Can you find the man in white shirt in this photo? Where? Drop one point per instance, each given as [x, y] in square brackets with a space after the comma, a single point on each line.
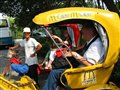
[95, 51]
[31, 47]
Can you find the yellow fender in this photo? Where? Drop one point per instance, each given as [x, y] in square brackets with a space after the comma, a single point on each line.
[25, 83]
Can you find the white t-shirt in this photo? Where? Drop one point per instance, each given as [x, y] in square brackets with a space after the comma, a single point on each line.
[95, 52]
[29, 47]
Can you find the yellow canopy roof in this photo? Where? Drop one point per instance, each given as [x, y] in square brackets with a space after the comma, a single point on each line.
[57, 15]
[109, 20]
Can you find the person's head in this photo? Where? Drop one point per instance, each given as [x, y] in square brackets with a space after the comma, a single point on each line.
[65, 32]
[88, 30]
[12, 53]
[15, 52]
[27, 32]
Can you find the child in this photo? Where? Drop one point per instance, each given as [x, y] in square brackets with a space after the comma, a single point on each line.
[12, 54]
[56, 52]
[16, 64]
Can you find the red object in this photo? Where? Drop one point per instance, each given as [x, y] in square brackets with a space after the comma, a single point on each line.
[15, 60]
[76, 31]
[59, 53]
[41, 69]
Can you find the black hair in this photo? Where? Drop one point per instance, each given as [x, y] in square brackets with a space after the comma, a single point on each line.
[89, 24]
[63, 28]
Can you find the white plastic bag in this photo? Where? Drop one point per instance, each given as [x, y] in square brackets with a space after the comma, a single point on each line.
[10, 53]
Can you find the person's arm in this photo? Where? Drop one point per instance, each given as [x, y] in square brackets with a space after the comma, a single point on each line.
[14, 47]
[58, 38]
[81, 59]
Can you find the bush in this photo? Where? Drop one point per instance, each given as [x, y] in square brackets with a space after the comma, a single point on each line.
[115, 76]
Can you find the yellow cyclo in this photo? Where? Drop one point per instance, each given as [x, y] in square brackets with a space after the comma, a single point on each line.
[96, 76]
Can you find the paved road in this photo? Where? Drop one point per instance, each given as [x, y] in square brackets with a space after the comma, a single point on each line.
[3, 60]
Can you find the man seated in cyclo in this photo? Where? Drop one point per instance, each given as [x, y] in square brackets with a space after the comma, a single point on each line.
[53, 52]
[94, 53]
[16, 63]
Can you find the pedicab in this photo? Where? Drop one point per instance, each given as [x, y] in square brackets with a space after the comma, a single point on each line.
[107, 24]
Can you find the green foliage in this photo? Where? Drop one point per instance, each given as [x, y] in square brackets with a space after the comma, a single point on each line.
[18, 34]
[25, 10]
[115, 76]
[16, 30]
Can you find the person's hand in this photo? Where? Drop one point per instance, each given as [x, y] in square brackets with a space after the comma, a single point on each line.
[66, 42]
[11, 48]
[48, 67]
[54, 36]
[68, 54]
[32, 55]
[57, 38]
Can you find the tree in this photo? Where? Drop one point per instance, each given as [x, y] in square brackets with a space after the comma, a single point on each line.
[111, 6]
[25, 10]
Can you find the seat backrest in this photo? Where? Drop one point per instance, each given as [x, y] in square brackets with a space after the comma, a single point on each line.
[103, 36]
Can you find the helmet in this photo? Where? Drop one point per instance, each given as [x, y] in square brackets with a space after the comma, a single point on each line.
[26, 29]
